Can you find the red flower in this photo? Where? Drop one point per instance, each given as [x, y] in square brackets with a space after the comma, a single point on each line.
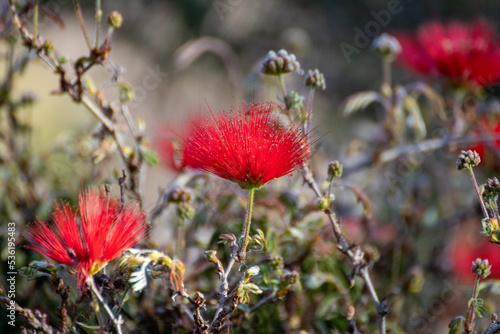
[248, 146]
[463, 53]
[87, 244]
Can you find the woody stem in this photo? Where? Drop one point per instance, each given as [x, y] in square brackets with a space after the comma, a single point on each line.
[246, 227]
[483, 207]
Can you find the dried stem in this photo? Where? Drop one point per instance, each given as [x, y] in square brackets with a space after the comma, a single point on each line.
[98, 15]
[283, 91]
[82, 25]
[392, 154]
[308, 117]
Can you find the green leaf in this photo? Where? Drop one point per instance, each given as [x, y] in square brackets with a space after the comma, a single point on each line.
[253, 288]
[150, 156]
[481, 311]
[456, 326]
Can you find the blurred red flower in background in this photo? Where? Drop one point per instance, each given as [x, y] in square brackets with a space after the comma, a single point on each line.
[247, 146]
[165, 145]
[88, 243]
[466, 247]
[168, 142]
[486, 149]
[464, 53]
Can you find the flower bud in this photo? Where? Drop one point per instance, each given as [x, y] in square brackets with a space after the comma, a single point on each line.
[179, 194]
[334, 170]
[491, 188]
[115, 19]
[282, 62]
[322, 204]
[481, 268]
[387, 46]
[468, 159]
[315, 79]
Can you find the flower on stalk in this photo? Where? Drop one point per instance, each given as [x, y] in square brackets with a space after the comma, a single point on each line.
[87, 243]
[465, 54]
[247, 146]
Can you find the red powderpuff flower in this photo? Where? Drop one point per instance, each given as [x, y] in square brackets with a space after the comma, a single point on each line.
[88, 243]
[247, 146]
[466, 54]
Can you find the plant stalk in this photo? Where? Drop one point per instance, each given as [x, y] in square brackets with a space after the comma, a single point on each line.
[246, 227]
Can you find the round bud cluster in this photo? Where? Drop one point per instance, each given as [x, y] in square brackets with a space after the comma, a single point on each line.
[178, 195]
[278, 63]
[315, 79]
[387, 46]
[468, 159]
[491, 188]
[334, 170]
[481, 268]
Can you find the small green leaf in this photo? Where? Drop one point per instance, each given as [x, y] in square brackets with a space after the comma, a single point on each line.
[456, 326]
[254, 288]
[150, 156]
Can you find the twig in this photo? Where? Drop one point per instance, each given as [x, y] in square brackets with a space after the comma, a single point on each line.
[35, 23]
[98, 15]
[428, 145]
[478, 193]
[82, 25]
[494, 327]
[118, 321]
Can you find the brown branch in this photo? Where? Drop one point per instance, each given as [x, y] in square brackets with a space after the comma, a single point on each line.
[36, 319]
